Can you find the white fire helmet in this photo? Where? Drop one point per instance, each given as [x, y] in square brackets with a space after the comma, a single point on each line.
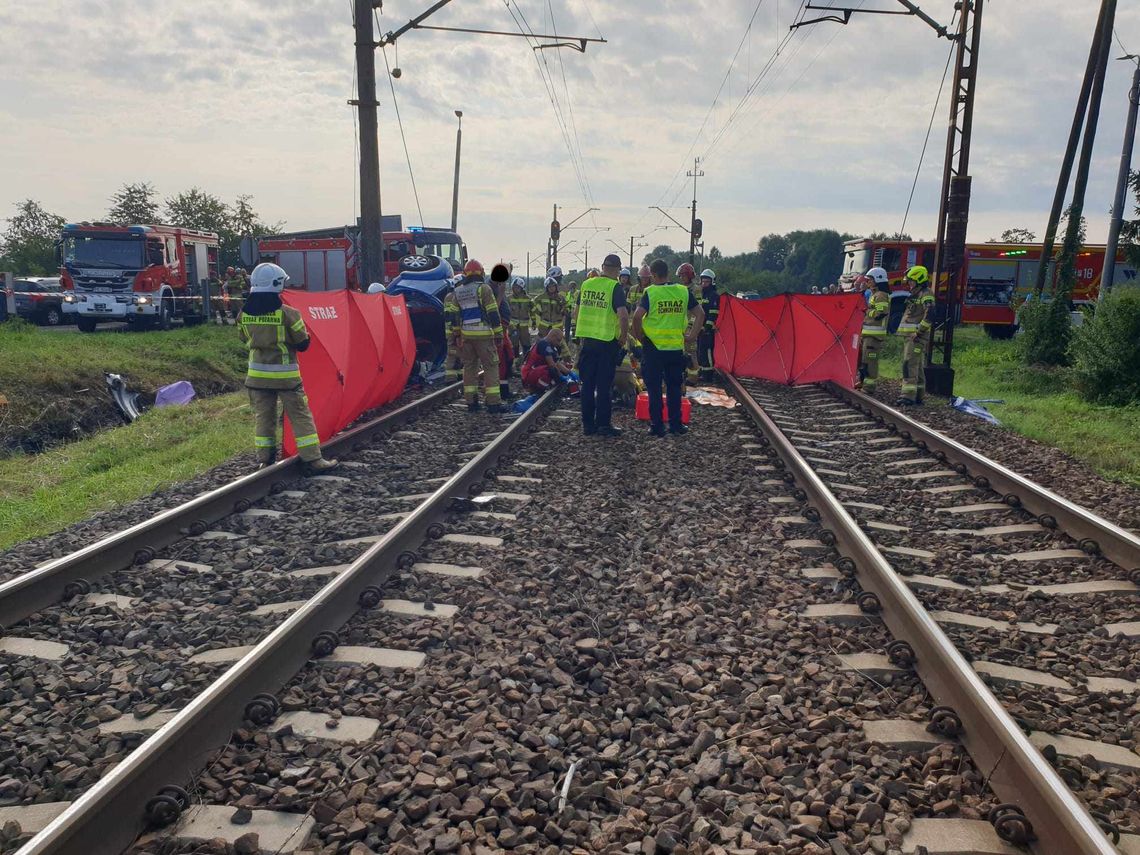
[267, 279]
[878, 275]
[707, 273]
[376, 288]
[554, 273]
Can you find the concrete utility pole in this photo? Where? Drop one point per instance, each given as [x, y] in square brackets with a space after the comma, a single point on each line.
[455, 191]
[371, 264]
[1096, 51]
[1109, 276]
[695, 227]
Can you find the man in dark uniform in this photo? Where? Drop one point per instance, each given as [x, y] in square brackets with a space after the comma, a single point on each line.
[602, 327]
[659, 322]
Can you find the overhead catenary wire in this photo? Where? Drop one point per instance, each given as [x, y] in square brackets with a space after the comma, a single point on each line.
[704, 122]
[551, 91]
[929, 129]
[403, 137]
[781, 44]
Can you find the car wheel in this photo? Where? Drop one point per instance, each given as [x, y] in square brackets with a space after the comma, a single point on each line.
[165, 315]
[86, 324]
[52, 316]
[418, 263]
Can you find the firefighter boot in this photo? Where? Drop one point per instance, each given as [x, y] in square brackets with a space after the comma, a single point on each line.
[505, 392]
[266, 457]
[320, 466]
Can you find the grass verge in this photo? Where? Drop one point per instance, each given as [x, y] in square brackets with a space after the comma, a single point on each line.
[54, 381]
[46, 492]
[1040, 404]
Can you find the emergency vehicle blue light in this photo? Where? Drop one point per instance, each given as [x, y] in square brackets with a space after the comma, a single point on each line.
[70, 227]
[138, 230]
[415, 228]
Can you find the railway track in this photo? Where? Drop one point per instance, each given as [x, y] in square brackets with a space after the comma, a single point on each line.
[1015, 606]
[656, 649]
[89, 677]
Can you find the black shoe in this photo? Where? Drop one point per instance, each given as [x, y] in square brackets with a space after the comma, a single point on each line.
[609, 430]
[679, 430]
[657, 430]
[474, 407]
[589, 431]
[496, 408]
[906, 402]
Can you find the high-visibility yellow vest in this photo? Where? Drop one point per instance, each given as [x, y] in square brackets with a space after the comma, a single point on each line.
[664, 323]
[878, 311]
[596, 316]
[272, 339]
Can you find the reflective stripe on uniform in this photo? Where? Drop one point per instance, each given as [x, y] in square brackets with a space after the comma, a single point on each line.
[874, 332]
[272, 375]
[263, 442]
[906, 329]
[273, 369]
[306, 441]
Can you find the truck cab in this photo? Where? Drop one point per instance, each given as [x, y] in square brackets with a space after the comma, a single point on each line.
[144, 275]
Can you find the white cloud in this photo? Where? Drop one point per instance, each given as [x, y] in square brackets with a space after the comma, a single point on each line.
[249, 96]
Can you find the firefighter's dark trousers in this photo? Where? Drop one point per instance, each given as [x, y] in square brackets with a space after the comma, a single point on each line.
[914, 369]
[296, 404]
[869, 362]
[476, 353]
[705, 344]
[520, 340]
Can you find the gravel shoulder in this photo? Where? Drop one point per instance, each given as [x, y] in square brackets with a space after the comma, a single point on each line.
[1052, 468]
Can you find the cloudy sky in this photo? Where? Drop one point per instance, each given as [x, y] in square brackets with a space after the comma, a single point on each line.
[249, 96]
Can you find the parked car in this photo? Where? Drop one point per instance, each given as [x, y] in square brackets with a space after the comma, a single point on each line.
[40, 300]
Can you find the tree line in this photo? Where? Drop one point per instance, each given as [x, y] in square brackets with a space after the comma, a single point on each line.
[27, 244]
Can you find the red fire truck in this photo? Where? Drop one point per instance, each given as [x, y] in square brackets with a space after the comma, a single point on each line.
[144, 275]
[992, 286]
[326, 259]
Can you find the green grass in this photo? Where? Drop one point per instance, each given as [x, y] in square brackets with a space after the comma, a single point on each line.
[54, 381]
[1040, 404]
[45, 492]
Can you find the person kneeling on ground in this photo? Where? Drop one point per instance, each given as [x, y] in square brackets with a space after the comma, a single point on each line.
[274, 334]
[543, 366]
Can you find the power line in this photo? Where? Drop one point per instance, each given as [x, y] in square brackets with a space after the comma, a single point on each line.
[551, 92]
[708, 113]
[403, 138]
[929, 128]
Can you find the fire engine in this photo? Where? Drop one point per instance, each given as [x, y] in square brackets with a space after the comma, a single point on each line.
[327, 259]
[992, 285]
[144, 275]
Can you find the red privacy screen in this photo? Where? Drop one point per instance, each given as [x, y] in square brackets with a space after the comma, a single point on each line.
[358, 359]
[792, 339]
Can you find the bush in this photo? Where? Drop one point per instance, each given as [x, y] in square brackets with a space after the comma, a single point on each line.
[1106, 350]
[1046, 329]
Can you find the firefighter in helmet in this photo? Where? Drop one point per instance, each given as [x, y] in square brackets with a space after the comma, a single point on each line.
[235, 288]
[687, 275]
[709, 300]
[522, 310]
[274, 334]
[549, 308]
[479, 332]
[453, 364]
[915, 329]
[874, 326]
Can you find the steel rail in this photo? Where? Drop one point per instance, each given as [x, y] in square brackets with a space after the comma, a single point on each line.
[1015, 770]
[1095, 534]
[71, 574]
[107, 818]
